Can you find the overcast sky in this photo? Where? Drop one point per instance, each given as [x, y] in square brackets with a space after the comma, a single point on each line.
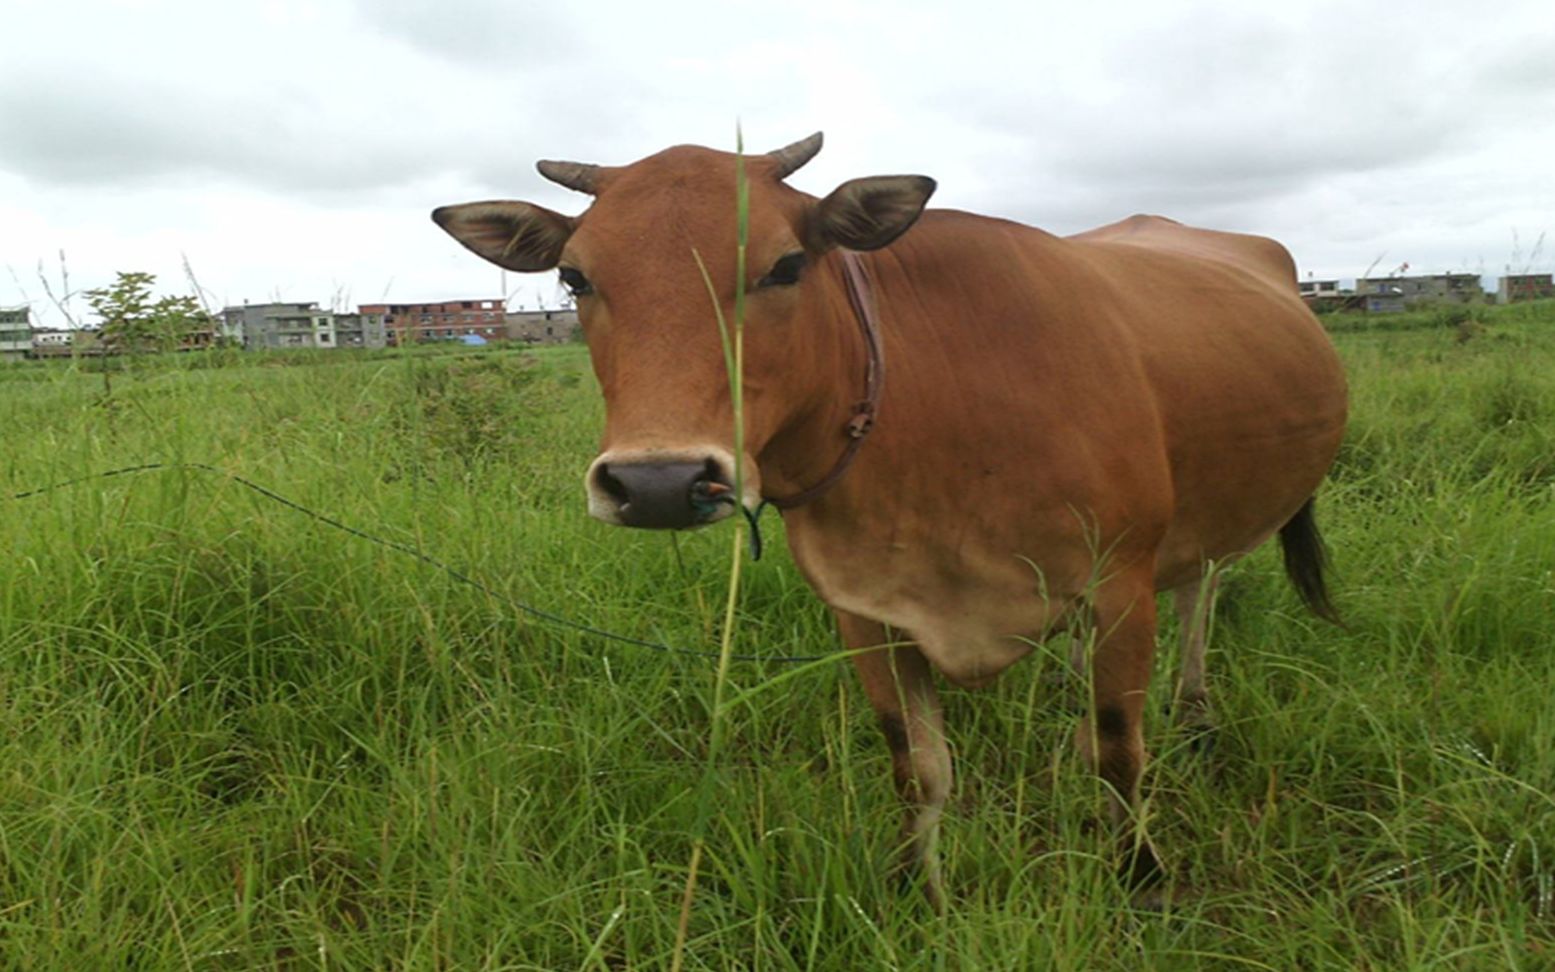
[292, 150]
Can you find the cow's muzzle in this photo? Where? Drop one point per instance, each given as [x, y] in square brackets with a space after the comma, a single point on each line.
[661, 494]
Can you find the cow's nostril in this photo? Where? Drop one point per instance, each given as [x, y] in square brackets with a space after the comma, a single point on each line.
[611, 486]
[712, 489]
[707, 495]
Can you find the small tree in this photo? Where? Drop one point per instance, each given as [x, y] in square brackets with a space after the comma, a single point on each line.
[125, 310]
[132, 322]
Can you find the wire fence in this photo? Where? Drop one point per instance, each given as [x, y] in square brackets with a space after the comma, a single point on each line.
[549, 617]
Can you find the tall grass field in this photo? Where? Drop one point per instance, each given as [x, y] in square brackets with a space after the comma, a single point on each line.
[235, 737]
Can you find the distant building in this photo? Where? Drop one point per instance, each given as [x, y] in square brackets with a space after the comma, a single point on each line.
[1462, 288]
[59, 343]
[299, 325]
[15, 332]
[542, 326]
[1319, 288]
[440, 321]
[1516, 287]
[1378, 302]
[305, 327]
[255, 326]
[1323, 296]
[360, 331]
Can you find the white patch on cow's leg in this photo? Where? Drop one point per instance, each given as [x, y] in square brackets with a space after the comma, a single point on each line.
[900, 687]
[1112, 738]
[1079, 648]
[1195, 604]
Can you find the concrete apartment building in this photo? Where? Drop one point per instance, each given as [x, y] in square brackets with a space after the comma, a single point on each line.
[1319, 288]
[1425, 288]
[19, 339]
[1516, 287]
[542, 326]
[300, 325]
[51, 342]
[360, 331]
[15, 332]
[304, 327]
[255, 325]
[446, 320]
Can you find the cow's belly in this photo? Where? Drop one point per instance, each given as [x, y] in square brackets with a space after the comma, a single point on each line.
[970, 638]
[1252, 414]
[1230, 500]
[973, 610]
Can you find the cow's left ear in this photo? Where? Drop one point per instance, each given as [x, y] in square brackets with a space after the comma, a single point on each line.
[866, 214]
[515, 235]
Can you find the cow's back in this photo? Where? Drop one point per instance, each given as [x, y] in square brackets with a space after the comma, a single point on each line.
[1257, 255]
[1249, 389]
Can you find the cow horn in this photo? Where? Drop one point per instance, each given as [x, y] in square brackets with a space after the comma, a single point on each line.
[791, 157]
[580, 176]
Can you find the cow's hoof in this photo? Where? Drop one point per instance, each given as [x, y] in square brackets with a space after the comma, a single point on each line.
[1197, 724]
[1202, 740]
[1142, 869]
[1150, 887]
[1156, 900]
[910, 879]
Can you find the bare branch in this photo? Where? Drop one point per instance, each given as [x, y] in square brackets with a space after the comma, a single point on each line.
[204, 296]
[61, 300]
[21, 287]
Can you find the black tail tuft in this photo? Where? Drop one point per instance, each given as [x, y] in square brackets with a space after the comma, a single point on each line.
[1305, 558]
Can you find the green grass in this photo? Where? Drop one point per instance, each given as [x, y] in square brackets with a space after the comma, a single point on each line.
[231, 738]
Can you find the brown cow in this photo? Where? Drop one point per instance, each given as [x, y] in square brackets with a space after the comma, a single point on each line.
[1068, 425]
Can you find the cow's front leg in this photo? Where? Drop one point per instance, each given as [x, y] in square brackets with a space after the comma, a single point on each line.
[900, 686]
[1112, 737]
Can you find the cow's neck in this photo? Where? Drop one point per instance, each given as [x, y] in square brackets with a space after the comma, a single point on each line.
[811, 454]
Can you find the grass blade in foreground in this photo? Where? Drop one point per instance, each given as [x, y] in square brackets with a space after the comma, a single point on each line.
[734, 362]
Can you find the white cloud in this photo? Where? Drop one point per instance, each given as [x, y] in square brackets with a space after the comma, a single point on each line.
[296, 147]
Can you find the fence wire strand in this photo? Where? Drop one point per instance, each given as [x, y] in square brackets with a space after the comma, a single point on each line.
[415, 553]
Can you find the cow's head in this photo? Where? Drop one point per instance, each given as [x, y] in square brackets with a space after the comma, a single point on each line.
[631, 262]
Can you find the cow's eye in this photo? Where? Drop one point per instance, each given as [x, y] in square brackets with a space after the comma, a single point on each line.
[783, 272]
[575, 282]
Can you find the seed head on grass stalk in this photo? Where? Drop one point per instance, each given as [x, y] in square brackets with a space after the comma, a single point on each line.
[732, 337]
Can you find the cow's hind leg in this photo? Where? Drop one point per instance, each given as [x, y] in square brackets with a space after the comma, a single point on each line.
[1112, 736]
[900, 686]
[1195, 603]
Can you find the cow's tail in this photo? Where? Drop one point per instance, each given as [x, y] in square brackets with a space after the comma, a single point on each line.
[1305, 560]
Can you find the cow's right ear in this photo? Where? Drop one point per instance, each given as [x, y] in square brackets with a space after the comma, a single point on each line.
[514, 235]
[866, 214]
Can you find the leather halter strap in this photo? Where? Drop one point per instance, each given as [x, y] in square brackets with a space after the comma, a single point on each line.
[861, 295]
